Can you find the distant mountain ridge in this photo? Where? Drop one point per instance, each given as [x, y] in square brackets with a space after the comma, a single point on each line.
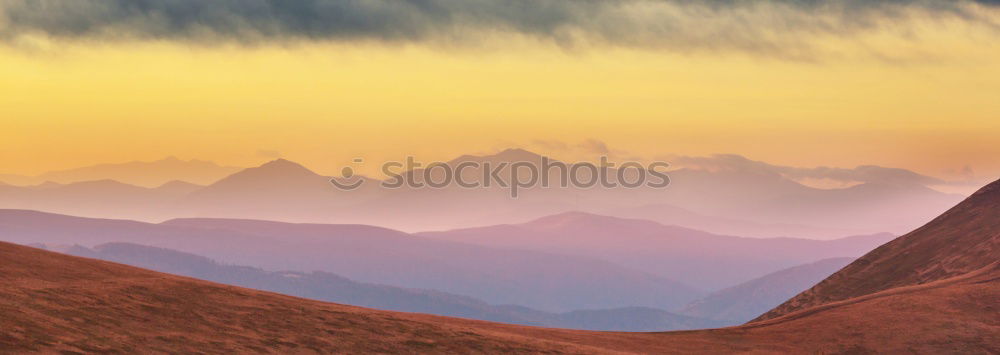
[140, 173]
[706, 260]
[740, 202]
[333, 288]
[545, 281]
[672, 215]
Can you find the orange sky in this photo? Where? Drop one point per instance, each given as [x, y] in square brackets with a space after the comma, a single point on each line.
[928, 104]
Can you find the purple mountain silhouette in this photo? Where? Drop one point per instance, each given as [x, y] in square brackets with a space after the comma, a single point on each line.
[550, 282]
[705, 260]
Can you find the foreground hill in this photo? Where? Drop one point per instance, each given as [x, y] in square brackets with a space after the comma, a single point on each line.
[329, 287]
[964, 239]
[55, 302]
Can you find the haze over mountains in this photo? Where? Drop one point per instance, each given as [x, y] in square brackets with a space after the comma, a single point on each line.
[934, 290]
[140, 173]
[731, 306]
[334, 288]
[553, 264]
[545, 281]
[733, 200]
[673, 215]
[499, 177]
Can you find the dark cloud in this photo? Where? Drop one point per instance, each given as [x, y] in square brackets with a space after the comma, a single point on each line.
[862, 174]
[745, 24]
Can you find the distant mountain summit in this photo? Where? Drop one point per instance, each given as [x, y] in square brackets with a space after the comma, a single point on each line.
[963, 240]
[280, 189]
[281, 167]
[274, 174]
[510, 155]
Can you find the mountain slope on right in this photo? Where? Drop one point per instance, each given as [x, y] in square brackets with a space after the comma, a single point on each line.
[963, 240]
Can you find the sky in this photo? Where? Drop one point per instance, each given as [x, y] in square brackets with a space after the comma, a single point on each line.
[908, 84]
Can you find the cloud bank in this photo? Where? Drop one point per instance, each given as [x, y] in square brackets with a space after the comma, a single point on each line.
[759, 25]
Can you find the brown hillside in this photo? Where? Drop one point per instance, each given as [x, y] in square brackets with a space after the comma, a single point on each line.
[52, 302]
[963, 239]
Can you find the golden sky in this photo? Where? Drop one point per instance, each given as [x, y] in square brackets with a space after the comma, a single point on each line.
[928, 100]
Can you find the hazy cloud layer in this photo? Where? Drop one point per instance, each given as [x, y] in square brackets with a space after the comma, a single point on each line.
[860, 174]
[759, 25]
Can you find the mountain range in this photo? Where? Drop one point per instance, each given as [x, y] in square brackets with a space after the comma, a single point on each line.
[933, 290]
[744, 202]
[731, 306]
[545, 281]
[551, 264]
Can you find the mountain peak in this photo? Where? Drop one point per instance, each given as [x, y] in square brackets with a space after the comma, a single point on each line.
[281, 164]
[280, 174]
[276, 170]
[517, 154]
[280, 161]
[509, 155]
